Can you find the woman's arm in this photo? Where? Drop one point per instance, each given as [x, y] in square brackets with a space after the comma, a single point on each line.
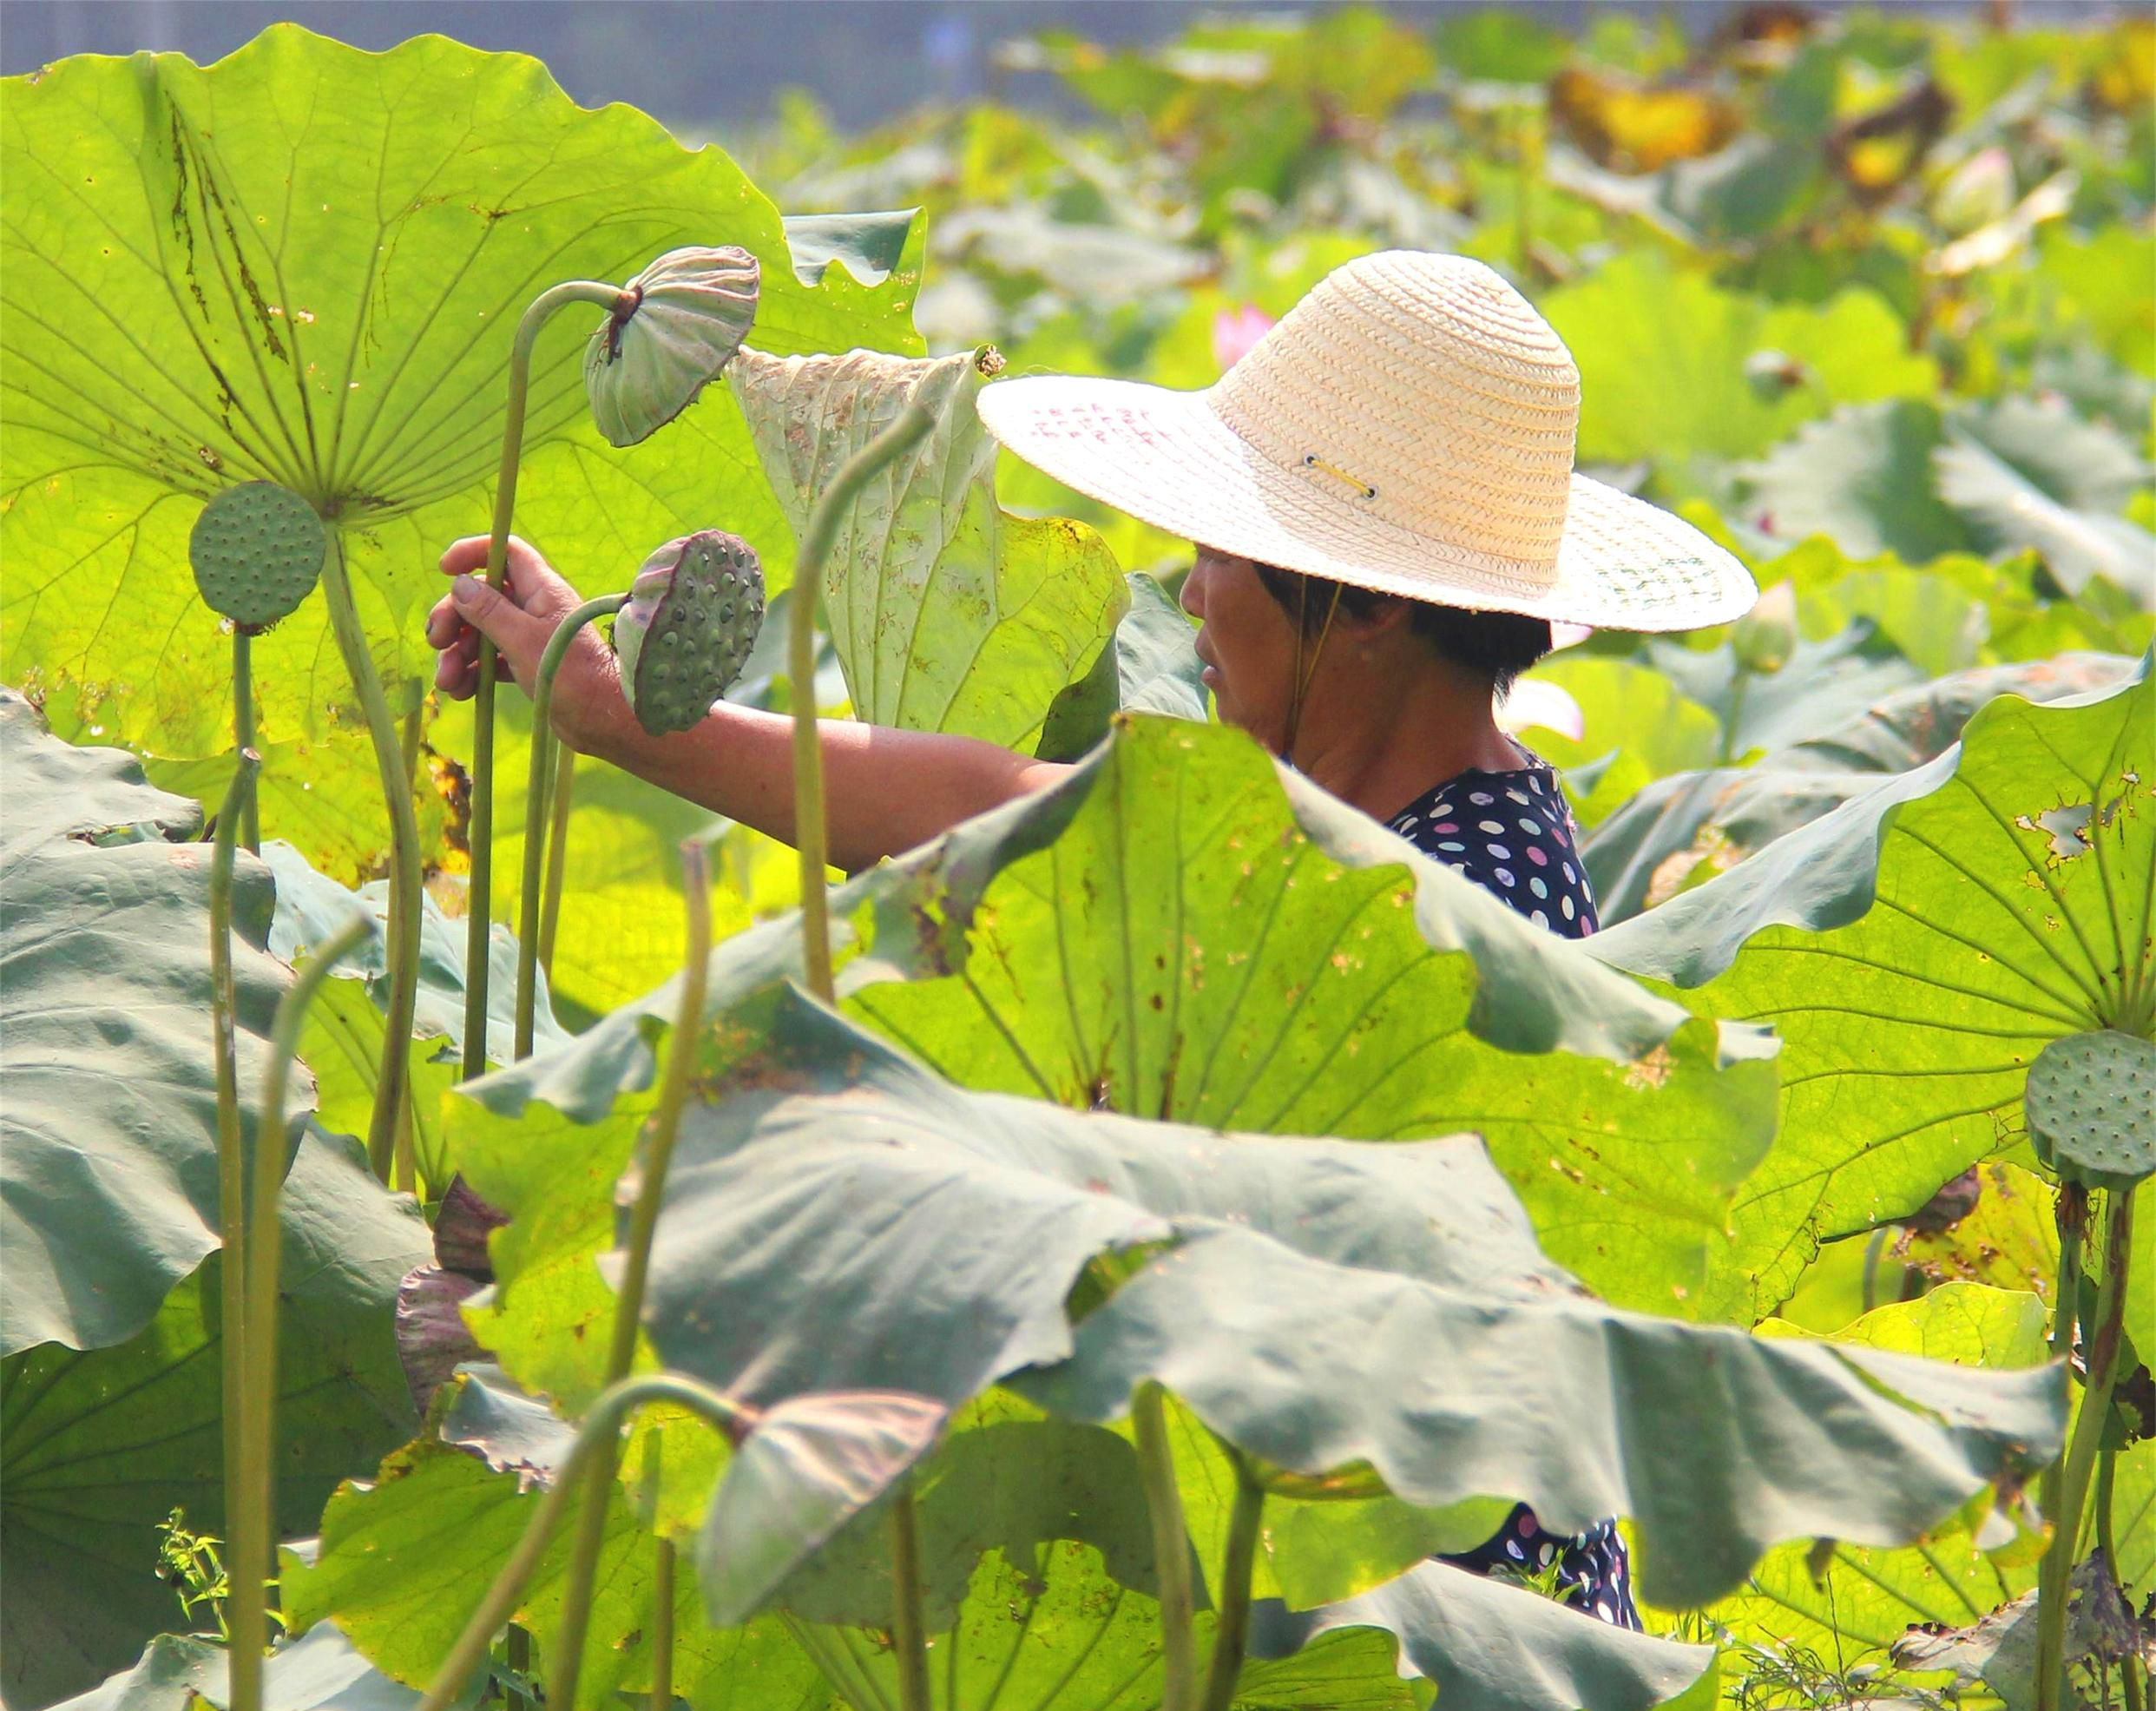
[885, 790]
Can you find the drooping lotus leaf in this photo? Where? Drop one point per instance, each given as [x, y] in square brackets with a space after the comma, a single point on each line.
[257, 552]
[273, 272]
[1862, 477]
[677, 324]
[2091, 1099]
[1819, 686]
[948, 613]
[1682, 830]
[110, 1118]
[320, 1671]
[1247, 953]
[1490, 1647]
[693, 612]
[1917, 949]
[809, 1465]
[101, 1446]
[1151, 667]
[1324, 1305]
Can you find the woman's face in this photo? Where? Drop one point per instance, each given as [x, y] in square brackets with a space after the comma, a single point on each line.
[1247, 642]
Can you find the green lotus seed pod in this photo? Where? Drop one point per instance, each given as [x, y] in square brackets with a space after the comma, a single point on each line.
[257, 551]
[677, 324]
[693, 614]
[2091, 1100]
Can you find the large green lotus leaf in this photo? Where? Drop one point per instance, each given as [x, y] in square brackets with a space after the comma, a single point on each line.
[1915, 948]
[99, 1447]
[111, 1109]
[320, 1671]
[1247, 953]
[1968, 1324]
[1322, 1304]
[276, 270]
[1661, 353]
[948, 613]
[1681, 831]
[1820, 686]
[405, 1559]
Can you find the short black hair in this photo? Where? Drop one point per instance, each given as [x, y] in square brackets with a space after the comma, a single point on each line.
[1496, 645]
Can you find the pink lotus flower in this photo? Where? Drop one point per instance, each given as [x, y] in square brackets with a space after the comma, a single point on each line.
[1234, 331]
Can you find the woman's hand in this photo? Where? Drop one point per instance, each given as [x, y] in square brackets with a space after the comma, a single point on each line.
[518, 620]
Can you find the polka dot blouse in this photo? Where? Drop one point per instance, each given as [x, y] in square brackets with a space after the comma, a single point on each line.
[1512, 835]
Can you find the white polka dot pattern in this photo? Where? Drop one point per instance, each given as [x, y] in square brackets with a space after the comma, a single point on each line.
[1521, 831]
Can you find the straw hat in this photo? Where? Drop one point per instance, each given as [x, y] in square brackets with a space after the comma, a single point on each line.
[1408, 427]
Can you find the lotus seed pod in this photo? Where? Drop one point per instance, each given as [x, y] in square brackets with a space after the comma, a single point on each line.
[257, 551]
[677, 324]
[1767, 635]
[2091, 1100]
[693, 614]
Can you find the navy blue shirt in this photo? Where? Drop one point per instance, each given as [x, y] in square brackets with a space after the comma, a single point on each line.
[1512, 834]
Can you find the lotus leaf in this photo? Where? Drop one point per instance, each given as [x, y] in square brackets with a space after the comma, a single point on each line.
[1916, 948]
[99, 1447]
[319, 1672]
[276, 272]
[111, 1114]
[1022, 606]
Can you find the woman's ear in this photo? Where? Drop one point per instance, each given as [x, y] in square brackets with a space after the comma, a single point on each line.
[1381, 615]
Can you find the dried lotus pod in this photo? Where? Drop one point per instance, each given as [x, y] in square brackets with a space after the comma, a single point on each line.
[692, 617]
[257, 551]
[677, 324]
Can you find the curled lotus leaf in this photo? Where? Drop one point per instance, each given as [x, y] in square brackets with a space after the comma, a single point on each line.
[2091, 1100]
[693, 612]
[257, 551]
[808, 1466]
[675, 328]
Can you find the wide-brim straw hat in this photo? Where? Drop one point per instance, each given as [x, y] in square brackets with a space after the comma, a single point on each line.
[1408, 427]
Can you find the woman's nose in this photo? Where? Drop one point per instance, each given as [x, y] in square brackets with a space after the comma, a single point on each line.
[1192, 597]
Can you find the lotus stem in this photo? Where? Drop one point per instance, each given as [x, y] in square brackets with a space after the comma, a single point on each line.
[479, 907]
[600, 1429]
[251, 1505]
[1232, 1636]
[2080, 1456]
[662, 1625]
[243, 730]
[911, 426]
[558, 801]
[535, 807]
[231, 1168]
[909, 1636]
[629, 1306]
[2107, 1540]
[405, 877]
[1171, 1549]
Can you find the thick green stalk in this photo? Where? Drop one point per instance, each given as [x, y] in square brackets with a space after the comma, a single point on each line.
[2080, 1456]
[1232, 1636]
[558, 801]
[243, 730]
[2070, 1213]
[405, 1176]
[479, 917]
[405, 875]
[536, 808]
[662, 1625]
[600, 1430]
[908, 430]
[252, 1504]
[2130, 1686]
[231, 1168]
[909, 1626]
[629, 1306]
[1171, 1549]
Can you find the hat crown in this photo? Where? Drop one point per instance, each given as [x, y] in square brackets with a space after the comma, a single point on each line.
[1424, 388]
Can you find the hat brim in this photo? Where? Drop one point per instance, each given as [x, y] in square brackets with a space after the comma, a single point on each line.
[1165, 457]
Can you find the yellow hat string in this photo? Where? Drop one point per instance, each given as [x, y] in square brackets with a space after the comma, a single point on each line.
[1306, 674]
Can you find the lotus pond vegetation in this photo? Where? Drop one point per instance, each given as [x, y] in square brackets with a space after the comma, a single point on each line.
[1100, 1259]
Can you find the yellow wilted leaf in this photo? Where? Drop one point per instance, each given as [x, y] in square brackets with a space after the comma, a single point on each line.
[2126, 79]
[1623, 126]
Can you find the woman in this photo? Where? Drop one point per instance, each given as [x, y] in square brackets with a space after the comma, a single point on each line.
[1384, 491]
